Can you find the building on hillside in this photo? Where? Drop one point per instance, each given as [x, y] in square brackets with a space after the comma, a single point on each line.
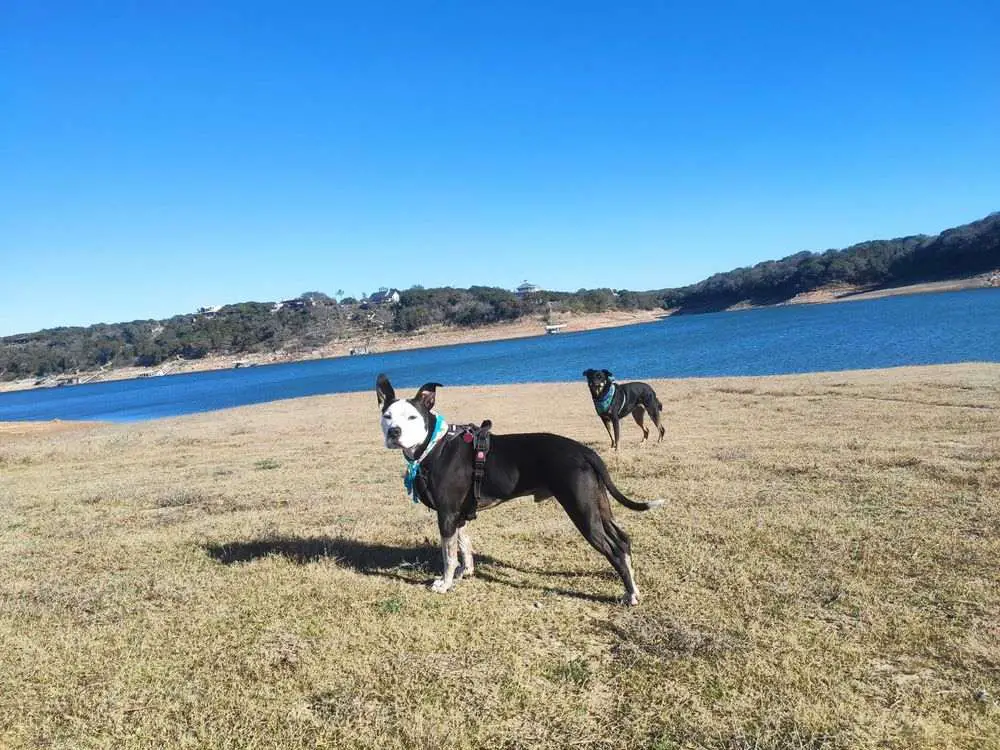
[384, 296]
[526, 288]
[299, 303]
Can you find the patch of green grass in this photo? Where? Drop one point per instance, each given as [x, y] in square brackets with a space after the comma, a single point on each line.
[180, 496]
[390, 606]
[573, 671]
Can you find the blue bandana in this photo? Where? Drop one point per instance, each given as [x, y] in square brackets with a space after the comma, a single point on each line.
[604, 405]
[413, 467]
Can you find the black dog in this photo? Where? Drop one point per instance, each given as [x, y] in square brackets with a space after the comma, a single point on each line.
[614, 400]
[442, 466]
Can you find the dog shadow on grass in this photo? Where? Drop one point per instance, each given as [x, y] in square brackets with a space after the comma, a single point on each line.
[411, 564]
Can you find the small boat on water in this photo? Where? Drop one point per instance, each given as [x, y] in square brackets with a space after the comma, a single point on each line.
[554, 328]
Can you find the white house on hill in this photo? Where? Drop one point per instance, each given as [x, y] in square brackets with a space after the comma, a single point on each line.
[527, 288]
[384, 297]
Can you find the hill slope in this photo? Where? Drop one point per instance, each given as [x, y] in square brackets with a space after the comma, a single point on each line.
[964, 251]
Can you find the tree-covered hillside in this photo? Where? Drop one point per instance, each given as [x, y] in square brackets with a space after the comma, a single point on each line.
[963, 251]
[315, 319]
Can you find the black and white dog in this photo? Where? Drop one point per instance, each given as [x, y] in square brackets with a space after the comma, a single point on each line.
[614, 400]
[539, 464]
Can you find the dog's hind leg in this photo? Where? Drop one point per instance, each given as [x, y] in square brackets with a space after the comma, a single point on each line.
[654, 408]
[587, 506]
[623, 547]
[637, 413]
[660, 427]
[467, 569]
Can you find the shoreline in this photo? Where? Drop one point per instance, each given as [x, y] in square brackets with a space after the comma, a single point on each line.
[523, 328]
[424, 339]
[850, 293]
[969, 372]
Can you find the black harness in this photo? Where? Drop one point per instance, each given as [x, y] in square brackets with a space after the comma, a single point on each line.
[479, 437]
[480, 447]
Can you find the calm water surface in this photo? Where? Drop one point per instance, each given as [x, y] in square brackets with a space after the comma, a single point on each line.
[912, 330]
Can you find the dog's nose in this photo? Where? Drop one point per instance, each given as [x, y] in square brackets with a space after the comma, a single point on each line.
[394, 432]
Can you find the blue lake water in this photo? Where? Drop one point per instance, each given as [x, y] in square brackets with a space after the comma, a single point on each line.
[909, 330]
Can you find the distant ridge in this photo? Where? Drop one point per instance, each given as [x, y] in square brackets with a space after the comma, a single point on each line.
[315, 319]
[956, 253]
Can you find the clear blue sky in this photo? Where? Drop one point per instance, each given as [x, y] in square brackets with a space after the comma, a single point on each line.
[160, 156]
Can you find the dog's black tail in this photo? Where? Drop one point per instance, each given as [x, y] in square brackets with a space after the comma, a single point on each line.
[655, 401]
[602, 471]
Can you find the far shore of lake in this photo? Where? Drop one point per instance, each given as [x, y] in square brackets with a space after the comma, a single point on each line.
[523, 328]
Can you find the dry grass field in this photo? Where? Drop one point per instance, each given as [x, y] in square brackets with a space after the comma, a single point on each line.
[825, 574]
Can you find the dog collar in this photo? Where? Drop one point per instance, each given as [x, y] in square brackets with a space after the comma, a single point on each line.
[413, 465]
[604, 404]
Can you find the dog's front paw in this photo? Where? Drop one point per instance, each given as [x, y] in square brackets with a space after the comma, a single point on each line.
[631, 599]
[465, 572]
[440, 586]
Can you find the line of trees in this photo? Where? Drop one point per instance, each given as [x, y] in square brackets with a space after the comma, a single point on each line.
[247, 327]
[317, 319]
[475, 306]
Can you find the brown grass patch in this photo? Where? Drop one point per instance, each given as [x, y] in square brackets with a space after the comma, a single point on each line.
[824, 575]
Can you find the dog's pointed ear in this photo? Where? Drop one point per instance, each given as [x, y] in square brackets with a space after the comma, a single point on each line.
[384, 391]
[427, 393]
[587, 373]
[607, 374]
